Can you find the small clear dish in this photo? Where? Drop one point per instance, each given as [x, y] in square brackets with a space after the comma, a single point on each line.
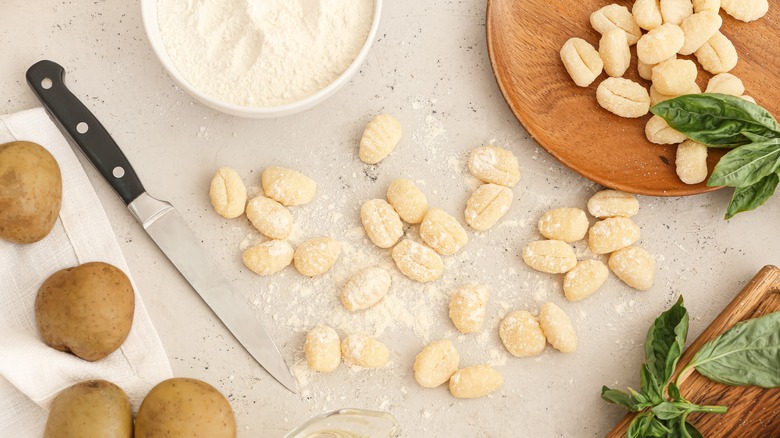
[348, 423]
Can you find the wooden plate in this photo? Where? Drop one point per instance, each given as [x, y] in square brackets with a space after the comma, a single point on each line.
[524, 38]
[753, 411]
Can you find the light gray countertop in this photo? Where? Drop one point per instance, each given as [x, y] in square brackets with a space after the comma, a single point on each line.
[429, 67]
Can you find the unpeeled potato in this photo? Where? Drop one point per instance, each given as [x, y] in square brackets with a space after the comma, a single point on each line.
[95, 408]
[30, 192]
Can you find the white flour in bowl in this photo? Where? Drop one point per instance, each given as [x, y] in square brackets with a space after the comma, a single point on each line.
[262, 53]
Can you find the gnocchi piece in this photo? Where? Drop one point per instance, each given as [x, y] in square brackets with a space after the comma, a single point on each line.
[379, 138]
[442, 232]
[521, 334]
[614, 16]
[227, 193]
[659, 132]
[675, 11]
[612, 203]
[706, 6]
[487, 205]
[558, 328]
[287, 186]
[566, 224]
[615, 52]
[322, 349]
[660, 44]
[551, 256]
[269, 217]
[366, 289]
[417, 261]
[612, 234]
[718, 55]
[382, 224]
[646, 70]
[748, 98]
[436, 363]
[698, 29]
[467, 307]
[656, 97]
[585, 279]
[634, 266]
[268, 257]
[494, 165]
[364, 351]
[475, 382]
[581, 61]
[691, 162]
[674, 77]
[623, 97]
[316, 256]
[726, 83]
[408, 200]
[647, 14]
[745, 10]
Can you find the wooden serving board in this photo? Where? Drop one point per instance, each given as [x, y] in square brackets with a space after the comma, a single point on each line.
[753, 412]
[524, 39]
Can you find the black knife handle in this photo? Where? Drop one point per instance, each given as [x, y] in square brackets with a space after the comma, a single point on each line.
[46, 78]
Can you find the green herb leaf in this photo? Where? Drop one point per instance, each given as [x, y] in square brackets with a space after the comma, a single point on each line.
[665, 342]
[620, 398]
[667, 410]
[753, 196]
[746, 354]
[746, 165]
[646, 425]
[674, 392]
[717, 120]
[650, 386]
[691, 431]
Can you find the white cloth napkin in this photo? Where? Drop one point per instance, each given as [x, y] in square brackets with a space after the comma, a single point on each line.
[31, 373]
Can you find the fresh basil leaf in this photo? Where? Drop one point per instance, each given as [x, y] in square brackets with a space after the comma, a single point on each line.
[717, 120]
[691, 431]
[620, 398]
[755, 137]
[650, 386]
[753, 196]
[645, 425]
[746, 354]
[667, 411]
[746, 165]
[665, 342]
[674, 392]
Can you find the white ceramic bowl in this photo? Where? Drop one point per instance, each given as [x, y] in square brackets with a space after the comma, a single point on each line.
[149, 15]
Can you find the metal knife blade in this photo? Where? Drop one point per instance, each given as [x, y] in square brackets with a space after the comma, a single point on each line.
[160, 220]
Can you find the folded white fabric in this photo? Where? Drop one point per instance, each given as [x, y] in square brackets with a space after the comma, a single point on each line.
[31, 373]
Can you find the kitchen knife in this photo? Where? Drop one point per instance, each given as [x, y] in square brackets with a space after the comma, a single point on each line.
[160, 220]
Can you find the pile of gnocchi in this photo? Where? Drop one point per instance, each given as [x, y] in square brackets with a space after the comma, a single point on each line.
[674, 27]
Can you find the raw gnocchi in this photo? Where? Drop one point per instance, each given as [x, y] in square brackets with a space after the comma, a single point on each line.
[612, 203]
[745, 10]
[379, 138]
[227, 193]
[634, 266]
[615, 53]
[585, 279]
[647, 14]
[487, 205]
[436, 363]
[551, 256]
[706, 6]
[698, 29]
[726, 83]
[691, 162]
[659, 132]
[475, 382]
[521, 334]
[269, 217]
[674, 77]
[496, 165]
[566, 224]
[623, 97]
[675, 11]
[382, 224]
[442, 232]
[660, 44]
[287, 186]
[417, 261]
[408, 200]
[613, 17]
[718, 54]
[558, 328]
[582, 61]
[269, 257]
[612, 234]
[646, 70]
[364, 351]
[366, 289]
[656, 97]
[322, 349]
[316, 256]
[467, 307]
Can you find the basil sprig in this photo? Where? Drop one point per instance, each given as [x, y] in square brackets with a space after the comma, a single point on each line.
[747, 354]
[752, 167]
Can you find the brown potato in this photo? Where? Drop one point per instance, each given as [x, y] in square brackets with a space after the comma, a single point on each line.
[86, 310]
[91, 408]
[30, 192]
[182, 407]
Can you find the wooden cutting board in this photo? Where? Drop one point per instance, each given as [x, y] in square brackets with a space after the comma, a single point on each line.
[524, 38]
[753, 412]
